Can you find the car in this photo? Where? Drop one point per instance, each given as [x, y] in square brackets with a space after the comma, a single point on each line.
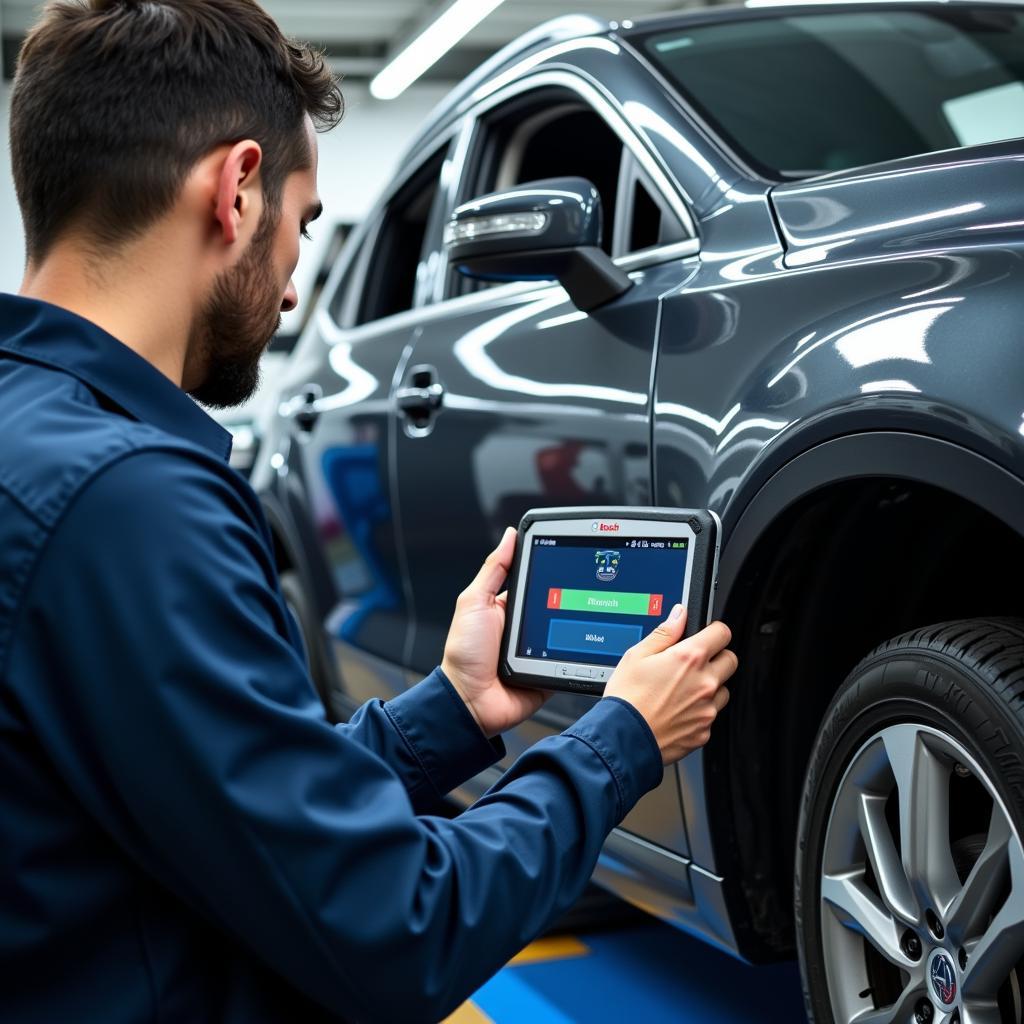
[767, 261]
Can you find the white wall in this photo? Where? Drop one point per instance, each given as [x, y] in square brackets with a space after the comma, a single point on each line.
[356, 161]
[12, 241]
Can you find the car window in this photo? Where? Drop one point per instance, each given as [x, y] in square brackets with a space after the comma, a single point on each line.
[809, 93]
[343, 295]
[395, 261]
[645, 219]
[647, 222]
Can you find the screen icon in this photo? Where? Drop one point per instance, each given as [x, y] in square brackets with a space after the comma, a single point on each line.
[607, 565]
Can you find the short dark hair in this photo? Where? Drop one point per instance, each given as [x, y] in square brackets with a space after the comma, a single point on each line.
[115, 101]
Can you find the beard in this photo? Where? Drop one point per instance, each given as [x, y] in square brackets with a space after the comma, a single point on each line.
[234, 328]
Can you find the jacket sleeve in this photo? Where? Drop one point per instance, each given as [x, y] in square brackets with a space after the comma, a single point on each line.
[186, 726]
[428, 736]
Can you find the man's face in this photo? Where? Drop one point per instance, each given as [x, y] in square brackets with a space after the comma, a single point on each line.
[243, 311]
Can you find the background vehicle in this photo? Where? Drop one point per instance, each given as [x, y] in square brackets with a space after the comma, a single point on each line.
[820, 220]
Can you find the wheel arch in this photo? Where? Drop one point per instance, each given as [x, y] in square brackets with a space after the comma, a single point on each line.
[747, 782]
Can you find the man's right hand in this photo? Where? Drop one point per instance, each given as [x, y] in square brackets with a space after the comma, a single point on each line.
[678, 686]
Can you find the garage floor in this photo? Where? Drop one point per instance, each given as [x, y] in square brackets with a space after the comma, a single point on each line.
[646, 972]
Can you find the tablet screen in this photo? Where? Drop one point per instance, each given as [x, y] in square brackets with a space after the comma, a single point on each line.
[589, 601]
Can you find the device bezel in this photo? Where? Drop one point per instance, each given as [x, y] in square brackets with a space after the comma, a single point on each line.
[701, 529]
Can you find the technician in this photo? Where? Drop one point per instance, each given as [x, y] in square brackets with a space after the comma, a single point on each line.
[183, 837]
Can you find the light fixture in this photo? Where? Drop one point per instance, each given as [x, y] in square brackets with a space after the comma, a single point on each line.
[822, 3]
[430, 46]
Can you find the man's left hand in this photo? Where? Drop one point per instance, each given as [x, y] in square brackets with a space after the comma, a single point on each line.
[471, 652]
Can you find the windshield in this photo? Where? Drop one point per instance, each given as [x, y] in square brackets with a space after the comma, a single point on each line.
[816, 92]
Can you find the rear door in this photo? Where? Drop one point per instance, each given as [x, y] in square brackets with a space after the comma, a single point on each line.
[516, 399]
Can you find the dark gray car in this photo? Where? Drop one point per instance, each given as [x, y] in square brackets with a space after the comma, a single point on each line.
[789, 252]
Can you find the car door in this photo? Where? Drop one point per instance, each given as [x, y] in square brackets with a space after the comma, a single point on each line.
[517, 399]
[345, 369]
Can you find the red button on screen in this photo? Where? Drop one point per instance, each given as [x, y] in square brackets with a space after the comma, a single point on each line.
[555, 597]
[653, 605]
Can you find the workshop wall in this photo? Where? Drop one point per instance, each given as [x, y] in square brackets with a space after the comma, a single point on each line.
[12, 239]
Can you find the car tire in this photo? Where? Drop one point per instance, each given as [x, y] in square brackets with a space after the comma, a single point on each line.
[909, 884]
[314, 648]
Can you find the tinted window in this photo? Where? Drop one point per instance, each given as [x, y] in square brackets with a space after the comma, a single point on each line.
[390, 280]
[646, 228]
[810, 93]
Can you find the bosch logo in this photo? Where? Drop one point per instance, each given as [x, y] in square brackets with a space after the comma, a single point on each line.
[605, 527]
[942, 976]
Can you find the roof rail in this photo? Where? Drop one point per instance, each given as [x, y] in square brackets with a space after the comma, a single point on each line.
[569, 26]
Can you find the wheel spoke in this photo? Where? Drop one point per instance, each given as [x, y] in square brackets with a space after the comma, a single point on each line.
[994, 955]
[922, 783]
[860, 910]
[981, 1013]
[975, 903]
[885, 859]
[899, 1012]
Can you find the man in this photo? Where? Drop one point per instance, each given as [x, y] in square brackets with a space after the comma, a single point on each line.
[183, 837]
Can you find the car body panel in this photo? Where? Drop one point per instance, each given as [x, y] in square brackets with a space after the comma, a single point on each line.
[529, 418]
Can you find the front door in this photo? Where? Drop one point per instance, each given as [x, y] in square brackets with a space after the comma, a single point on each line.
[512, 398]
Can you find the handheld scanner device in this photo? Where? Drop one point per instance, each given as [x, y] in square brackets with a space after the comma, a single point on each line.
[589, 583]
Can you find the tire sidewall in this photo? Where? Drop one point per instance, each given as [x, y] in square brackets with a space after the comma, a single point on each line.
[898, 686]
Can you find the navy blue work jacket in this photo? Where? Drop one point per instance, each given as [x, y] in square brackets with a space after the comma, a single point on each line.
[183, 836]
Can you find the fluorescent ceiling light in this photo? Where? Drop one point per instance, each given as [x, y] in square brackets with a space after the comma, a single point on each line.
[826, 3]
[430, 46]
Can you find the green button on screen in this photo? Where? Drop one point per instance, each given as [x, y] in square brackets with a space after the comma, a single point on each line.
[608, 601]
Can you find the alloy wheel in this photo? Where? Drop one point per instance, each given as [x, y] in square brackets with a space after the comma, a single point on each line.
[921, 887]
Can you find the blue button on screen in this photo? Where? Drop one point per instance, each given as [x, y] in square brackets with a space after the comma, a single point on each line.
[592, 637]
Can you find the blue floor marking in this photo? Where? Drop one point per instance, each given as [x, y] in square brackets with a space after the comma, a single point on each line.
[650, 973]
[509, 997]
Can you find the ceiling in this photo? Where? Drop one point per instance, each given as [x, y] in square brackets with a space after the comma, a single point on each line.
[359, 35]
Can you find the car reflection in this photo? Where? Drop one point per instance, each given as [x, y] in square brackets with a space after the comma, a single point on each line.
[353, 479]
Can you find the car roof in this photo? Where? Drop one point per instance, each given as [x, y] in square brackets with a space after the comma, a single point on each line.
[755, 9]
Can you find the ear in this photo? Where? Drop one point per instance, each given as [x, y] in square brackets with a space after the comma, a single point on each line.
[238, 188]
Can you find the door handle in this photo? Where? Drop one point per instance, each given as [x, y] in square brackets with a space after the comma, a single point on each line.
[423, 395]
[304, 408]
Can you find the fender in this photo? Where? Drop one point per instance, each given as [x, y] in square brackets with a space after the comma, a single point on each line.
[915, 457]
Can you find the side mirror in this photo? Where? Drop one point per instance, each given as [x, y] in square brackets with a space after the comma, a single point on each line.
[540, 231]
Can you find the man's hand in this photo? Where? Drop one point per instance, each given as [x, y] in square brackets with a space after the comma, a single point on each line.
[678, 686]
[471, 651]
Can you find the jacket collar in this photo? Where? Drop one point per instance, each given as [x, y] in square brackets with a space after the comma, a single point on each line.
[54, 337]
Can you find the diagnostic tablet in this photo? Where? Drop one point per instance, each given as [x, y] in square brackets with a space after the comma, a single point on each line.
[589, 583]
